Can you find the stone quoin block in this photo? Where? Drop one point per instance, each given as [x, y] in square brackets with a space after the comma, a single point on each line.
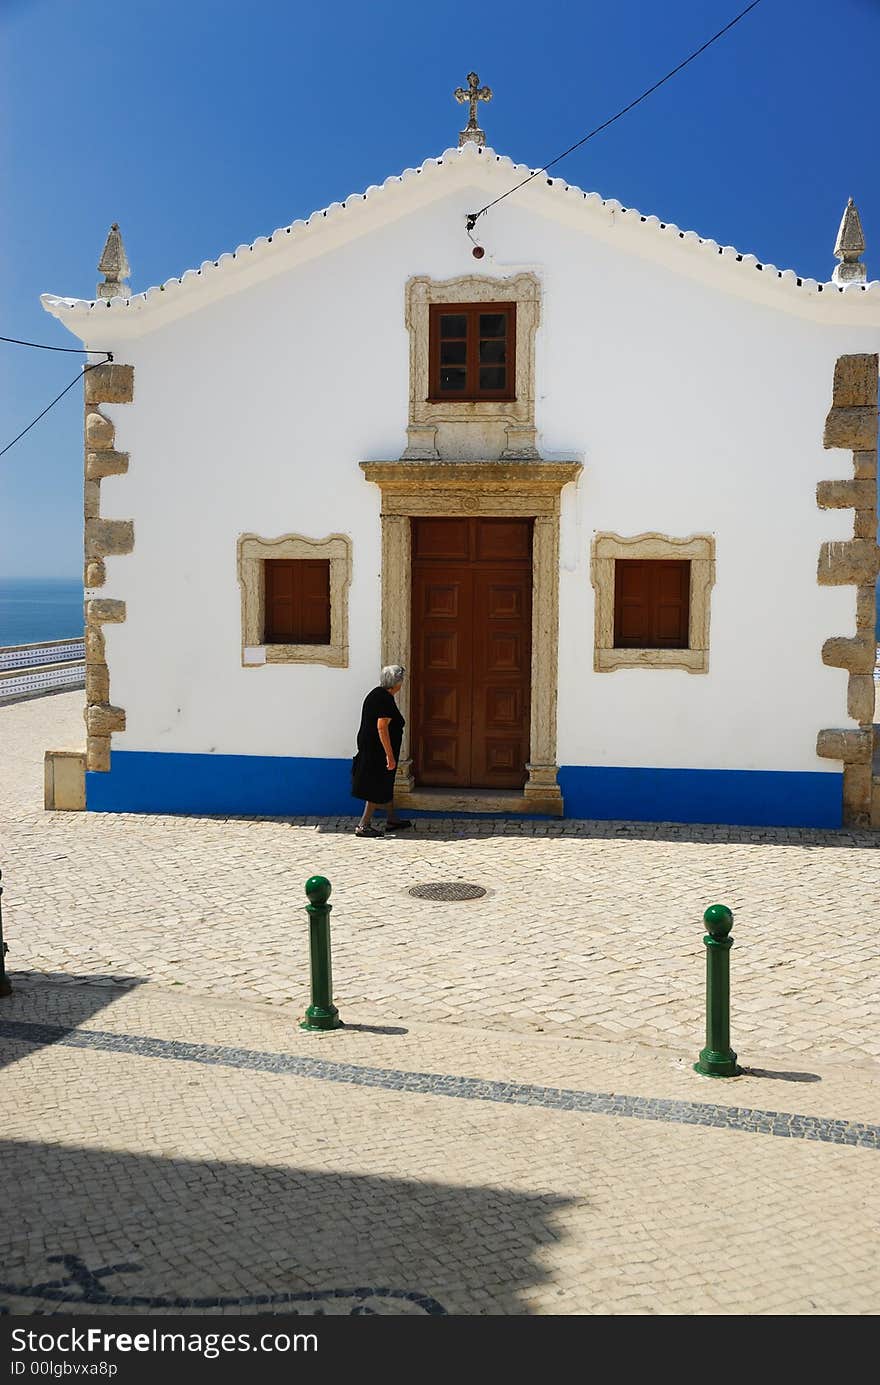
[857, 795]
[857, 654]
[860, 698]
[98, 753]
[110, 384]
[108, 536]
[102, 719]
[855, 429]
[866, 615]
[100, 432]
[95, 649]
[97, 683]
[855, 381]
[105, 463]
[865, 465]
[95, 574]
[104, 611]
[865, 525]
[847, 562]
[91, 500]
[840, 495]
[852, 747]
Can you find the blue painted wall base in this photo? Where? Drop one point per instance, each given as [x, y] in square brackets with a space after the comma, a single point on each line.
[735, 797]
[268, 785]
[143, 781]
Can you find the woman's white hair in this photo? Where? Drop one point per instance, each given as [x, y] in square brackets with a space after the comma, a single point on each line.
[391, 675]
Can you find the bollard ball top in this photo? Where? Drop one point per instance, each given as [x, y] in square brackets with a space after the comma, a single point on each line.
[318, 889]
[718, 920]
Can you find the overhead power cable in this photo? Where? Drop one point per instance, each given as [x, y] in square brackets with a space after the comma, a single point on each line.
[40, 346]
[85, 370]
[473, 217]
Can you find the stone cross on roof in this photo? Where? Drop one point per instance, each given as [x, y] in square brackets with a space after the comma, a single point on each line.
[849, 246]
[472, 93]
[114, 265]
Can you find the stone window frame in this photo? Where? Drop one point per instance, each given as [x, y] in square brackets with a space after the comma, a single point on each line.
[699, 549]
[253, 551]
[517, 415]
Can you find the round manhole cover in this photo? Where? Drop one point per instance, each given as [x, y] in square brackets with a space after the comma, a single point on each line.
[447, 890]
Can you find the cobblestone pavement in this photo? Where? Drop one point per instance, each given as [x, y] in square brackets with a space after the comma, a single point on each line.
[589, 930]
[154, 1173]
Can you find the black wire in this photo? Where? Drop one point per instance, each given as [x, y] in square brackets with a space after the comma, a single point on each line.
[85, 370]
[474, 216]
[38, 346]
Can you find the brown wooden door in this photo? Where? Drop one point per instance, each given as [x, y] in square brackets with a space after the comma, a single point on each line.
[471, 638]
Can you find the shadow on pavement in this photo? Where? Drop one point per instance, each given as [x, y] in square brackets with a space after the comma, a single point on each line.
[783, 1076]
[65, 1000]
[375, 1028]
[146, 1233]
[444, 829]
[583, 830]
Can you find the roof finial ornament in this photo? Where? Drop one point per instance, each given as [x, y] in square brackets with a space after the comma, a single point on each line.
[114, 265]
[472, 134]
[849, 246]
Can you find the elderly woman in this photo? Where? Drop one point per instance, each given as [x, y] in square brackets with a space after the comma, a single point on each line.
[378, 742]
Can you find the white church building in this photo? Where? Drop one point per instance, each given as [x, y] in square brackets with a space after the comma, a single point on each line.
[605, 488]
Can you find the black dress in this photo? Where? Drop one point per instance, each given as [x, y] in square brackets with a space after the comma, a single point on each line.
[370, 780]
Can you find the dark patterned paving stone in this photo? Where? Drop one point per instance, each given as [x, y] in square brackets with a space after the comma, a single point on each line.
[784, 1124]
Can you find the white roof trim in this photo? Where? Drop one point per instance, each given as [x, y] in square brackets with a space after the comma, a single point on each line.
[550, 195]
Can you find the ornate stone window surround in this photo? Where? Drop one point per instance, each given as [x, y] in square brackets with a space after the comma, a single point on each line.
[606, 549]
[252, 553]
[529, 489]
[517, 415]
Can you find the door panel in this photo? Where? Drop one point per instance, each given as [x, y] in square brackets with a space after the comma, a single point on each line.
[441, 760]
[441, 601]
[502, 675]
[503, 708]
[441, 640]
[441, 651]
[441, 538]
[503, 540]
[471, 640]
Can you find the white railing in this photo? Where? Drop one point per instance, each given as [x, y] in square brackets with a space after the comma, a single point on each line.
[27, 670]
[47, 652]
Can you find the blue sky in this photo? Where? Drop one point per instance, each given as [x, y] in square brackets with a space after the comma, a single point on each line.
[200, 124]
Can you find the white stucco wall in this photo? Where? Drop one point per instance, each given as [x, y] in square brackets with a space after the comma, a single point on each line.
[695, 404]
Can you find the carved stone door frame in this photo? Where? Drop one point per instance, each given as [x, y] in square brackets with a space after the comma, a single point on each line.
[492, 489]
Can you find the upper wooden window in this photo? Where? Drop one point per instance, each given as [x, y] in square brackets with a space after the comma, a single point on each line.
[297, 601]
[472, 349]
[651, 603]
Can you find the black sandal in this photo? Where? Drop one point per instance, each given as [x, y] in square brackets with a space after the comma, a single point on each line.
[368, 831]
[397, 825]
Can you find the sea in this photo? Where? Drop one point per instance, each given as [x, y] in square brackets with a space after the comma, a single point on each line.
[40, 608]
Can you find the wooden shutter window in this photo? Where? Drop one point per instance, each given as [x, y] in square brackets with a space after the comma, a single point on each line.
[297, 601]
[472, 349]
[651, 603]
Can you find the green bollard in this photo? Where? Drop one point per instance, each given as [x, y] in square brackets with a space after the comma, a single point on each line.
[5, 983]
[717, 1059]
[322, 1013]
